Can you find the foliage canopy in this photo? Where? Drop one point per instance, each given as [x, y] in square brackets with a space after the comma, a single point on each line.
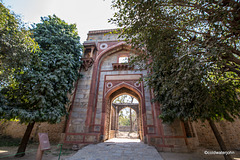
[16, 46]
[39, 92]
[191, 49]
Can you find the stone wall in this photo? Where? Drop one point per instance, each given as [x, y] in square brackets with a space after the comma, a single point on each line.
[80, 104]
[230, 133]
[107, 123]
[112, 134]
[17, 130]
[127, 128]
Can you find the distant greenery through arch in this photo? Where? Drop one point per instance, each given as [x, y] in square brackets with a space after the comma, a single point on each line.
[124, 116]
[127, 116]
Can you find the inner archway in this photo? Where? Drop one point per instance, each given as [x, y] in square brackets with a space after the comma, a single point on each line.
[127, 123]
[132, 102]
[127, 119]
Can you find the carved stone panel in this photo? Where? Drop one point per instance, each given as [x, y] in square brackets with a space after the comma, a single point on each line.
[87, 63]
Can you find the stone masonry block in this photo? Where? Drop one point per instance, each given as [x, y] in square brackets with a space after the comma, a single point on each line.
[167, 130]
[75, 115]
[77, 121]
[77, 109]
[80, 128]
[79, 96]
[169, 141]
[180, 141]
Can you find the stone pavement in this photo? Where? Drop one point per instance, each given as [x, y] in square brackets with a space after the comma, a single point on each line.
[118, 149]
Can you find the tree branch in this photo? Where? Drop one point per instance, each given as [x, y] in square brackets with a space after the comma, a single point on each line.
[231, 68]
[233, 59]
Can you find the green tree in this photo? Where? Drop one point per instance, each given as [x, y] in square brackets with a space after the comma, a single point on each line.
[17, 52]
[191, 49]
[16, 46]
[39, 94]
[124, 118]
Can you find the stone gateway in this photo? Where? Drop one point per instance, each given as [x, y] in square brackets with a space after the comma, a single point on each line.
[94, 117]
[106, 75]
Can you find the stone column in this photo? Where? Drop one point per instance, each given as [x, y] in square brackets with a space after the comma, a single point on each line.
[116, 121]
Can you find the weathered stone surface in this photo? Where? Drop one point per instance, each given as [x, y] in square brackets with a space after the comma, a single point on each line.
[118, 149]
[77, 121]
[90, 139]
[169, 141]
[74, 137]
[16, 130]
[98, 121]
[167, 130]
[74, 115]
[123, 77]
[151, 130]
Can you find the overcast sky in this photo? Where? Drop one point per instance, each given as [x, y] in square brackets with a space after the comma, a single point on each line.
[87, 14]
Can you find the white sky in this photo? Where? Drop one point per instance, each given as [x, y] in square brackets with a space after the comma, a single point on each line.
[87, 14]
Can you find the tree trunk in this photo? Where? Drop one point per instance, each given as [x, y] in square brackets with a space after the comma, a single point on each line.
[23, 145]
[219, 139]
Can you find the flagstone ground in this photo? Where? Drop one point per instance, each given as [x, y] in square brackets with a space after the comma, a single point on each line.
[118, 149]
[113, 149]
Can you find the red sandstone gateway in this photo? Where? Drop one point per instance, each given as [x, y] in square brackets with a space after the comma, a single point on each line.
[106, 75]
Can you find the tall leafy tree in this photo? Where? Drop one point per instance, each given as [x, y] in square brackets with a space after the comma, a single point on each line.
[16, 46]
[17, 52]
[191, 49]
[39, 93]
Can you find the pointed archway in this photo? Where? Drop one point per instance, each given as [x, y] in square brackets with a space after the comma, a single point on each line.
[117, 90]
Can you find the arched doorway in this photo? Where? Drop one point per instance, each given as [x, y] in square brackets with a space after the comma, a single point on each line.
[124, 117]
[127, 122]
[112, 110]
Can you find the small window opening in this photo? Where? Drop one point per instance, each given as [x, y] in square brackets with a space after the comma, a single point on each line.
[123, 59]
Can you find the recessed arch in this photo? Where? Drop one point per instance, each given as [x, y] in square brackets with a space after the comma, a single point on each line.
[123, 88]
[96, 73]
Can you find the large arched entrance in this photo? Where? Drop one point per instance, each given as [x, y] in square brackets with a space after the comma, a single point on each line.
[125, 119]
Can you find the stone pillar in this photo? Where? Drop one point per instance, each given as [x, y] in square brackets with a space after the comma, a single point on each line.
[115, 122]
[117, 118]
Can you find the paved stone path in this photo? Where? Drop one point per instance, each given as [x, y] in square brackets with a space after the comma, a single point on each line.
[118, 149]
